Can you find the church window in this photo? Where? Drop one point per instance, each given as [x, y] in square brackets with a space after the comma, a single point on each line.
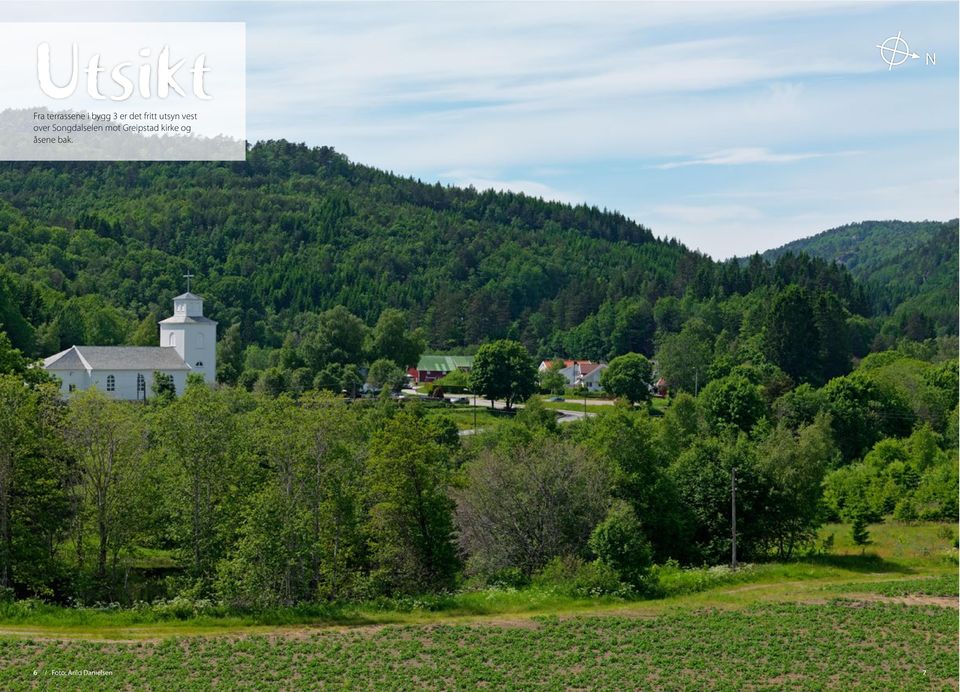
[111, 383]
[141, 383]
[199, 363]
[172, 339]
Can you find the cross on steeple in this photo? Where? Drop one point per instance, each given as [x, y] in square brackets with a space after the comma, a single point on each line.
[188, 276]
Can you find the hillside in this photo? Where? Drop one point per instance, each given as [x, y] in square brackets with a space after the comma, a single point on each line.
[909, 266]
[93, 253]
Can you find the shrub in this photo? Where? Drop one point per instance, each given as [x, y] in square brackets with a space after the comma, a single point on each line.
[572, 576]
[618, 541]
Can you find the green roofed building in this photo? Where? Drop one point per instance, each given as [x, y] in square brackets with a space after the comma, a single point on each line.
[432, 368]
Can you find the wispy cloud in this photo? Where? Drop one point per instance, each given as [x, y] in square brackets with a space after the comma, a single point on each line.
[747, 155]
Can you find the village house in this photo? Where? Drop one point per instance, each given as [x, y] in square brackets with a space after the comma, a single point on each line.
[432, 367]
[579, 373]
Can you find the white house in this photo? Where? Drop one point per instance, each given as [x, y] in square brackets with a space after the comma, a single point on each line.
[579, 373]
[188, 343]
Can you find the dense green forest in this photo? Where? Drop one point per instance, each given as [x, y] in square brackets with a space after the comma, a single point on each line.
[834, 399]
[910, 268]
[92, 253]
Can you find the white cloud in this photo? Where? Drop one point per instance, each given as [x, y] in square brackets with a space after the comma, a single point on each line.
[746, 155]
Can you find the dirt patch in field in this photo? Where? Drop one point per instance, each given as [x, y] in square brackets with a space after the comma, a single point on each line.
[49, 636]
[914, 600]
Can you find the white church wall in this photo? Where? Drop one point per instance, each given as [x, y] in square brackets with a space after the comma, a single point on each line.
[123, 386]
[77, 379]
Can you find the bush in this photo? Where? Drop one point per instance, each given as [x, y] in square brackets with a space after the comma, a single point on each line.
[906, 510]
[571, 576]
[618, 541]
[670, 579]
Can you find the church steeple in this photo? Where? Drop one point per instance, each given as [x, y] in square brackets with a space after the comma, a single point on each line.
[193, 336]
[188, 304]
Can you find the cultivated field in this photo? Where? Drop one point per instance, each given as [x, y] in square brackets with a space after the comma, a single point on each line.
[885, 620]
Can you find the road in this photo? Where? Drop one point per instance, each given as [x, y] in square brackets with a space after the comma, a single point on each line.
[565, 415]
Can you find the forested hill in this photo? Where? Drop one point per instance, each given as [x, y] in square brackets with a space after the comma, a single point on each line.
[89, 251]
[910, 266]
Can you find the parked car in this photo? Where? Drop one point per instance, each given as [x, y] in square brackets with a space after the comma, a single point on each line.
[556, 398]
[460, 400]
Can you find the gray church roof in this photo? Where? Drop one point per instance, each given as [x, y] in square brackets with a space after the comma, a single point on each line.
[187, 319]
[146, 358]
[188, 296]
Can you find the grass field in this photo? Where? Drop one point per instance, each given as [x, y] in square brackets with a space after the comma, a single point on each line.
[463, 416]
[886, 619]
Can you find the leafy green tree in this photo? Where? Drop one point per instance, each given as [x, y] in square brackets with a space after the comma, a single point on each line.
[619, 541]
[683, 358]
[11, 360]
[410, 525]
[298, 535]
[163, 387]
[834, 347]
[863, 412]
[682, 424]
[552, 380]
[391, 339]
[453, 381]
[334, 337]
[795, 464]
[628, 376]
[667, 314]
[536, 416]
[272, 382]
[350, 379]
[524, 503]
[385, 375]
[799, 406]
[33, 472]
[503, 370]
[146, 331]
[702, 478]
[732, 401]
[197, 434]
[229, 355]
[109, 442]
[633, 328]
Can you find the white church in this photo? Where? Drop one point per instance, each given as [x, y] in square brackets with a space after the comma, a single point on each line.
[188, 343]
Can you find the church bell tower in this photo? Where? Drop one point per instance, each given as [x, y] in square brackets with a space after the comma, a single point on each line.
[192, 335]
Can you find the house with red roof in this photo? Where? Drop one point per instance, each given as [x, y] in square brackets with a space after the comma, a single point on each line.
[578, 373]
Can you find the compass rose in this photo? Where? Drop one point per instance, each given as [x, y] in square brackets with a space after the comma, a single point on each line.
[895, 51]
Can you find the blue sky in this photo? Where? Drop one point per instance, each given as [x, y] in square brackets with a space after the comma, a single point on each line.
[732, 126]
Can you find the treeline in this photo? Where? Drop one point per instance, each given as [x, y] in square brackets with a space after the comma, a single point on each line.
[792, 335]
[93, 253]
[265, 501]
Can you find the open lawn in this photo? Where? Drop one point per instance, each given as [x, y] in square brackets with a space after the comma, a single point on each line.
[463, 416]
[886, 619]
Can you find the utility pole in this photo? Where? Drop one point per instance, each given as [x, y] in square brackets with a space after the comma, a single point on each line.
[733, 517]
[474, 413]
